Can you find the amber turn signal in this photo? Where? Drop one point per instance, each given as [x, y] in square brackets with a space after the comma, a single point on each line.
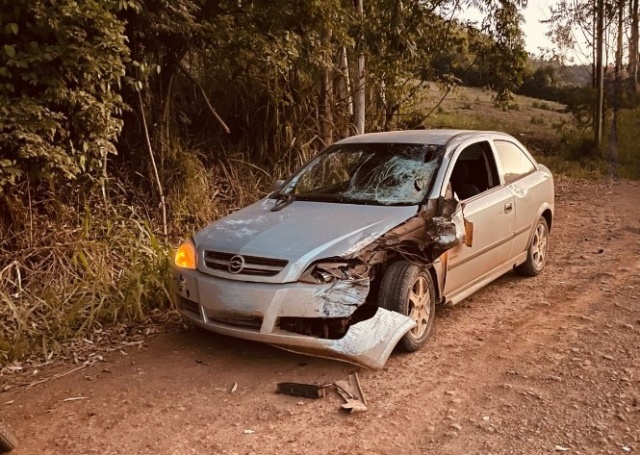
[186, 256]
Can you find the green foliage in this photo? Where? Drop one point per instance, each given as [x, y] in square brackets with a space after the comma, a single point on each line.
[60, 68]
[505, 56]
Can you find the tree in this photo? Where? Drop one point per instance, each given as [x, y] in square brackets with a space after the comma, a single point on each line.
[61, 65]
[505, 56]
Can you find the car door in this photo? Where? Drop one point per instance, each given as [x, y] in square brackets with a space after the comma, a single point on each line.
[518, 171]
[492, 213]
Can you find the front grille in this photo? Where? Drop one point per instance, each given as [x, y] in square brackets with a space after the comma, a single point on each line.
[190, 306]
[253, 265]
[245, 322]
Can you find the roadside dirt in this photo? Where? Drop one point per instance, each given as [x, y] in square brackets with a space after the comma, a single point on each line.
[525, 366]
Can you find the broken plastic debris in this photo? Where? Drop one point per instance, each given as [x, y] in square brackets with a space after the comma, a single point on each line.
[354, 406]
[351, 392]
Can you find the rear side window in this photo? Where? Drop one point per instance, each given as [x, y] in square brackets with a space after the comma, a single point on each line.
[513, 161]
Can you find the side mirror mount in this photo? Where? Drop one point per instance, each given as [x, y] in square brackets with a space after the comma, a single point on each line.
[277, 185]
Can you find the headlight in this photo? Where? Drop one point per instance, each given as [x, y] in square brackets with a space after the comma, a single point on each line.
[186, 256]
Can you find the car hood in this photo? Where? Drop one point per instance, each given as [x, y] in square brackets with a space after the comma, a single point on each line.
[300, 233]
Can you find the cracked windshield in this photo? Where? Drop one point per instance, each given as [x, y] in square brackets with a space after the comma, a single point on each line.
[386, 174]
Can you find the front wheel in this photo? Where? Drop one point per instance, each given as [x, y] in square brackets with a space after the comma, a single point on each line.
[408, 289]
[537, 252]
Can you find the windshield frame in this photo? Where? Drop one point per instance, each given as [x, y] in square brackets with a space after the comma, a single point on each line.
[437, 151]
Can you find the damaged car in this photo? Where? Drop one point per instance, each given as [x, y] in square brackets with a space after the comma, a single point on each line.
[348, 258]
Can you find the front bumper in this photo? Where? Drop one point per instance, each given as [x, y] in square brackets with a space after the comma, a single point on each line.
[251, 311]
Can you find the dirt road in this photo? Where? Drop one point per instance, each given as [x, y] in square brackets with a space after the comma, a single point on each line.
[525, 366]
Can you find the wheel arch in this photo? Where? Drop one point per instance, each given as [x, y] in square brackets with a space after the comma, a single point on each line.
[436, 268]
[547, 214]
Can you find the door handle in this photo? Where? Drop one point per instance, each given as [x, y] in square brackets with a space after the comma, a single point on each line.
[508, 206]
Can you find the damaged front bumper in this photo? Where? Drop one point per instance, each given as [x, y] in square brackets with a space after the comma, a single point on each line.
[253, 311]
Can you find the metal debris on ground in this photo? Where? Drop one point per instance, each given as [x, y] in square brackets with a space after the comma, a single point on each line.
[302, 390]
[350, 390]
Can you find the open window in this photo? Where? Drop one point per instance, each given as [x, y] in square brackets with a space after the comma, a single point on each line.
[474, 171]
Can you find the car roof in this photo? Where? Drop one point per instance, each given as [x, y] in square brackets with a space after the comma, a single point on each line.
[434, 137]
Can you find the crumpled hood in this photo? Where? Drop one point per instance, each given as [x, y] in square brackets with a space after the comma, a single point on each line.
[301, 233]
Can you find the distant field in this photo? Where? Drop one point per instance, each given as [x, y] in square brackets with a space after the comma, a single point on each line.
[536, 122]
[543, 126]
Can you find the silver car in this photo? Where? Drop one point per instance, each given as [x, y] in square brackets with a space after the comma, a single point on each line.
[348, 257]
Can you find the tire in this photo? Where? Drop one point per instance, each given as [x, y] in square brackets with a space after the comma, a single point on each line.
[537, 251]
[408, 289]
[8, 441]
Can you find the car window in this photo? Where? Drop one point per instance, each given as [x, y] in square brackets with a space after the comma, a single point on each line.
[474, 171]
[513, 161]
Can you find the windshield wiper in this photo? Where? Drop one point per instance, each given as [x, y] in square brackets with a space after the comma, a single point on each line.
[282, 200]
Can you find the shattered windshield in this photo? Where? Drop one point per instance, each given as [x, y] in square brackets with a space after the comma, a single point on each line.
[385, 174]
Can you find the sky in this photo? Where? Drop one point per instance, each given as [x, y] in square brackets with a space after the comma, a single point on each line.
[534, 31]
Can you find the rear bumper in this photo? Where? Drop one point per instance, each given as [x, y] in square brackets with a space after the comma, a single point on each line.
[251, 311]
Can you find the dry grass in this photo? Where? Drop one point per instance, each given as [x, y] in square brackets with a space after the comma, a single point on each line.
[64, 281]
[538, 124]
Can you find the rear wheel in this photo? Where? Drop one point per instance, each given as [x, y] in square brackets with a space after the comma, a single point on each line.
[408, 289]
[8, 441]
[537, 252]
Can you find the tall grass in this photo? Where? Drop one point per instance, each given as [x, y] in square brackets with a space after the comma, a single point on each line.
[71, 279]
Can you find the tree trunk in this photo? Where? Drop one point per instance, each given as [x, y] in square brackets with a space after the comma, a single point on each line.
[599, 114]
[346, 81]
[617, 88]
[633, 46]
[594, 70]
[165, 117]
[326, 91]
[359, 96]
[344, 88]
